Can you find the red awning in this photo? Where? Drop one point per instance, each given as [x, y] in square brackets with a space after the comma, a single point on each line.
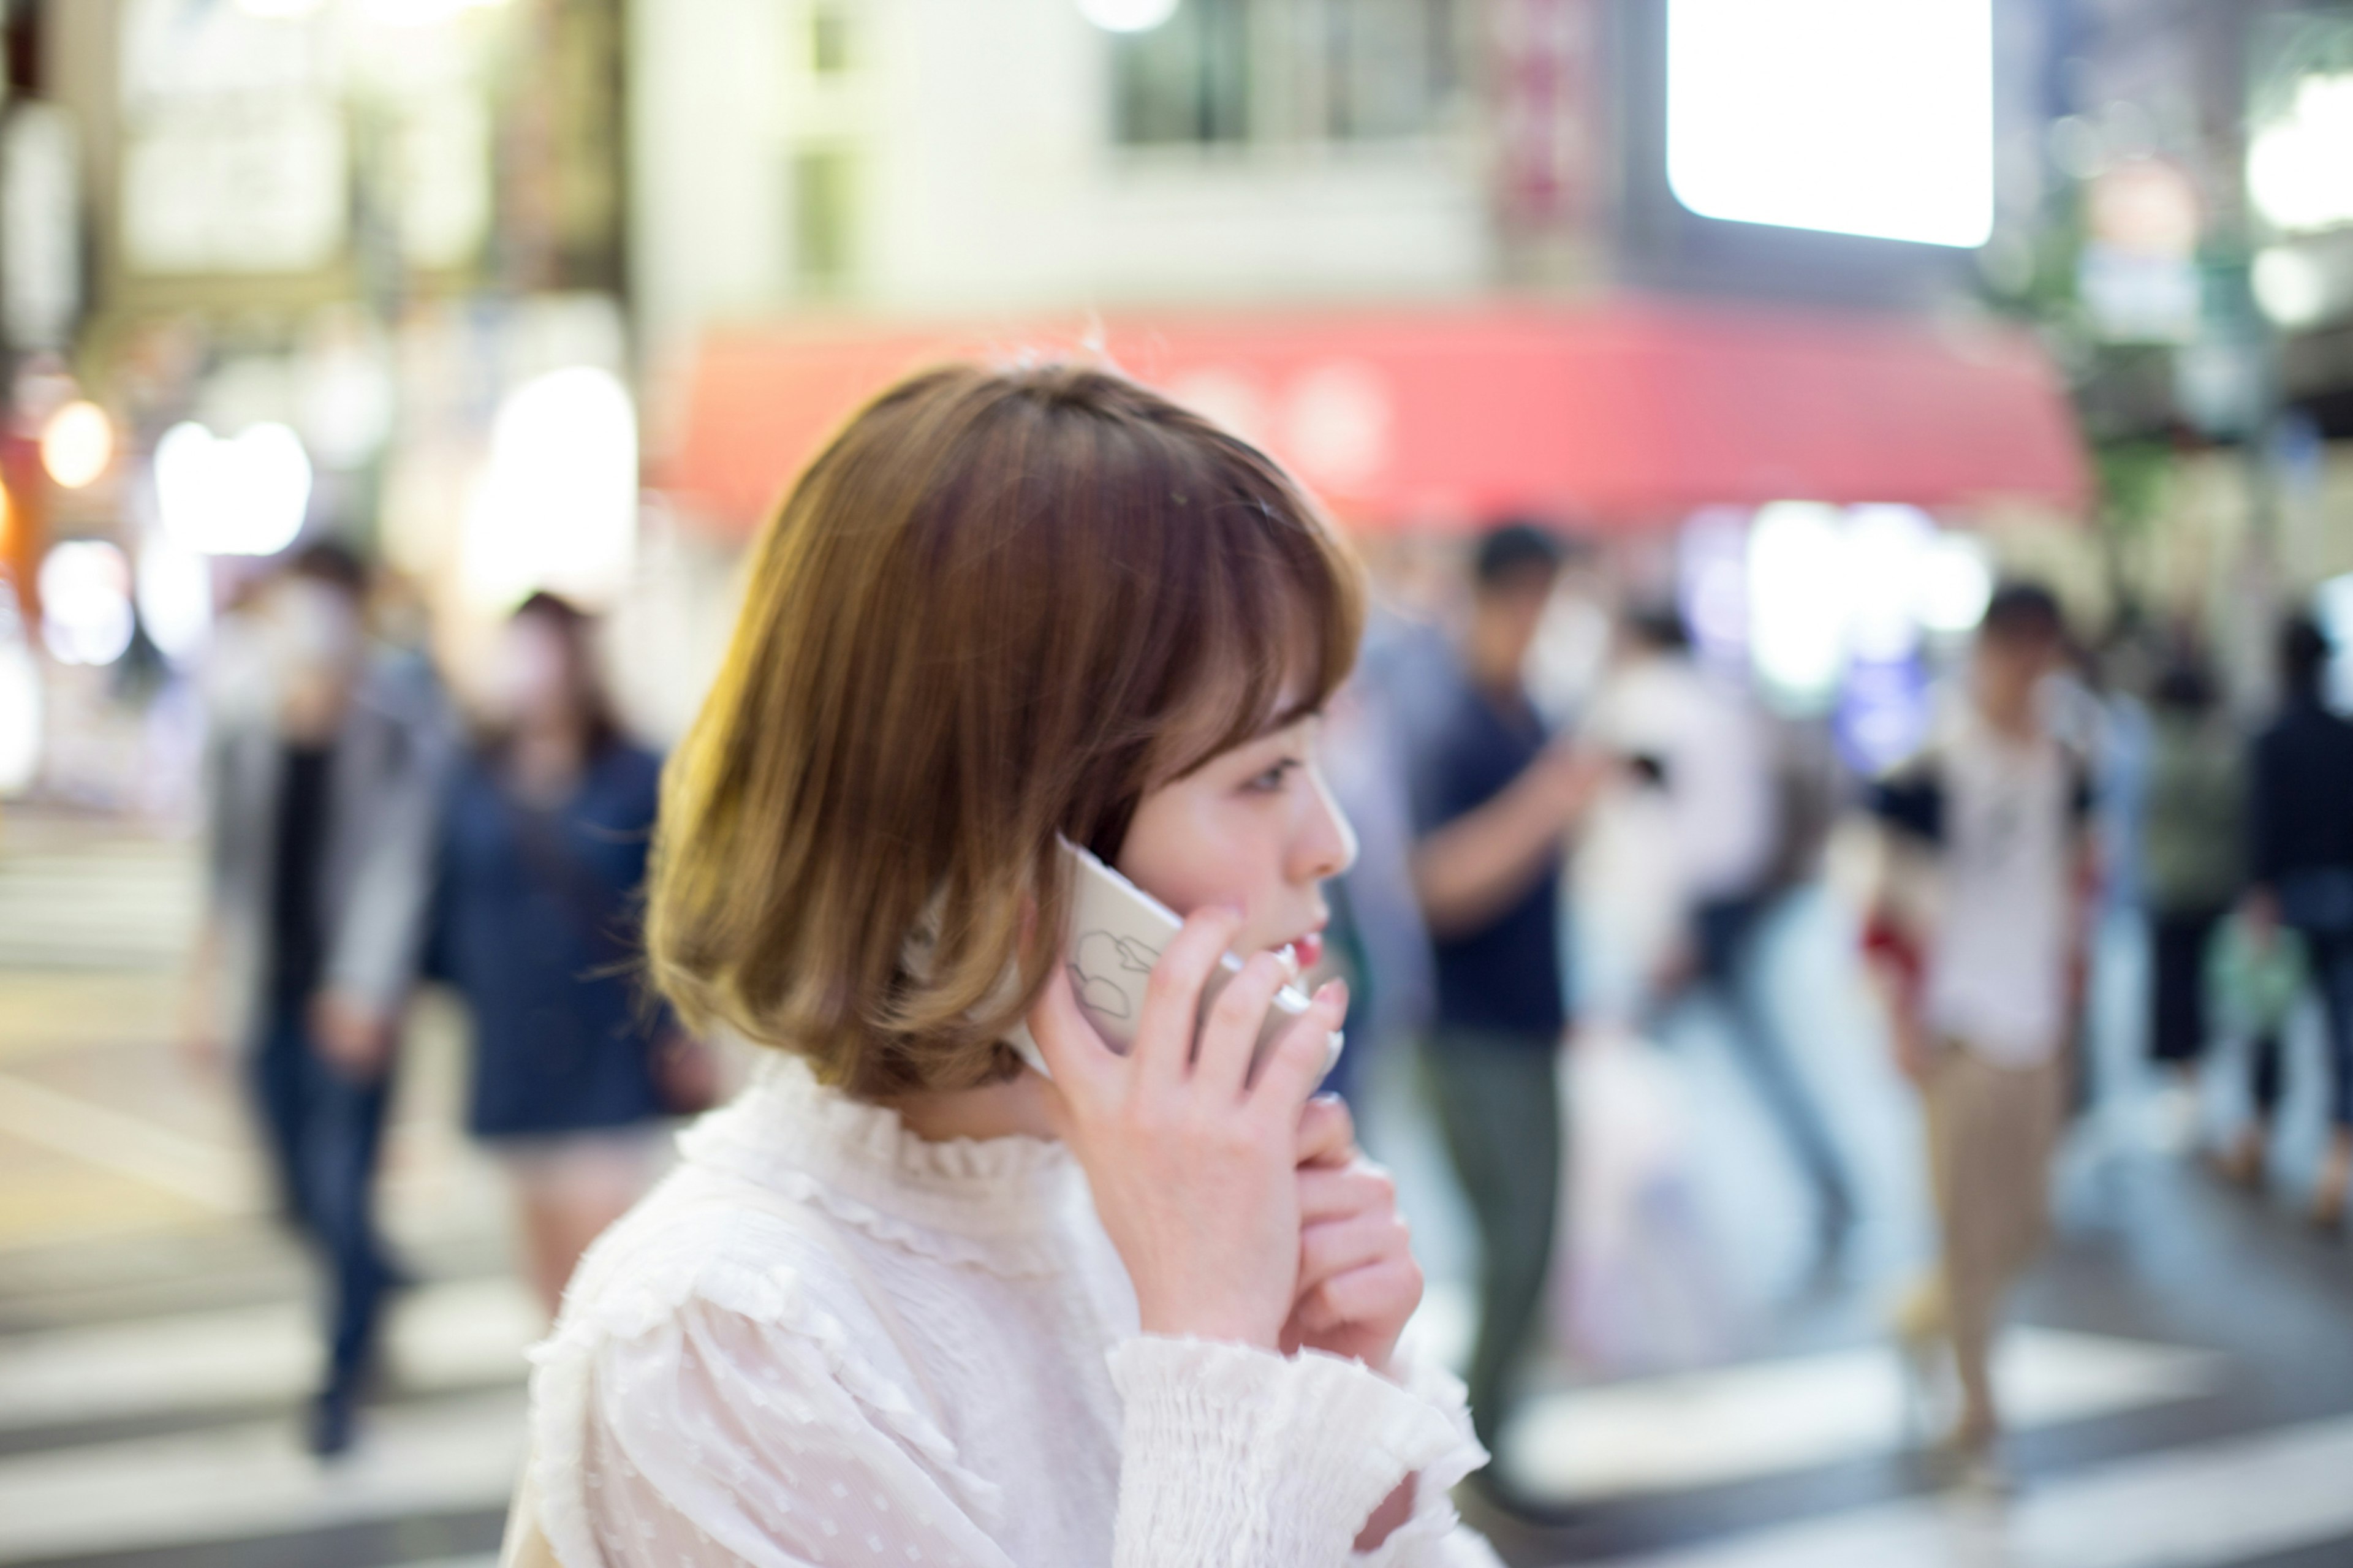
[1616, 415]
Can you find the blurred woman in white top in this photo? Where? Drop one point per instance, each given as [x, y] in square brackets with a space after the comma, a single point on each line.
[908, 1300]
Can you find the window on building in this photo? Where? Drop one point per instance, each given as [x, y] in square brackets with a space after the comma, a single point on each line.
[828, 38]
[823, 217]
[1188, 79]
[1289, 71]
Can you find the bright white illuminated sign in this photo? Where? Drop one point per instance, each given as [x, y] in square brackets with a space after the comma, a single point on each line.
[1864, 116]
[1127, 16]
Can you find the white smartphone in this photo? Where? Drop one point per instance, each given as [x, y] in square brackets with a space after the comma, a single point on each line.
[1116, 933]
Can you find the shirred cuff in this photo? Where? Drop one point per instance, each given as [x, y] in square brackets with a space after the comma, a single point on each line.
[1238, 1456]
[1433, 1519]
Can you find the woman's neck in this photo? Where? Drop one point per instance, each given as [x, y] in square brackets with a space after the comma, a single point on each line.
[1015, 1107]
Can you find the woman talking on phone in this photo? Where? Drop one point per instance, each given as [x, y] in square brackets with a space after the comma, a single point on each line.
[910, 1299]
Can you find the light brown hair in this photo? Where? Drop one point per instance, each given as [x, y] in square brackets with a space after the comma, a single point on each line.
[999, 604]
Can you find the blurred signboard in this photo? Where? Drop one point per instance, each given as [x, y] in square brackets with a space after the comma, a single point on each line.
[1632, 414]
[40, 227]
[1548, 111]
[235, 156]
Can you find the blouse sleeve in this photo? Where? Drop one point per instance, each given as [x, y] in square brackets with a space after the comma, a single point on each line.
[717, 1440]
[720, 1440]
[1231, 1454]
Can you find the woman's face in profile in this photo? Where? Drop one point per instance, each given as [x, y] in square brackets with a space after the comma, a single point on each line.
[1254, 827]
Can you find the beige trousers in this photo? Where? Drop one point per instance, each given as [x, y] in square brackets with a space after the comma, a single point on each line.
[1991, 1133]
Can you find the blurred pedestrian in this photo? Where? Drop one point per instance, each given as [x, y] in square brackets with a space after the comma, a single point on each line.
[543, 857]
[1495, 799]
[2191, 867]
[1708, 750]
[2301, 853]
[320, 803]
[1989, 827]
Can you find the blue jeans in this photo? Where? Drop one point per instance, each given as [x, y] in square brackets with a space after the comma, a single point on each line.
[325, 1129]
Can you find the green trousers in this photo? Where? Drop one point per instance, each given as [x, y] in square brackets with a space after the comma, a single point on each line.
[1498, 1103]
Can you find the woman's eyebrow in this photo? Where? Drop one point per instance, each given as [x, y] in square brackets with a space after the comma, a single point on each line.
[1281, 720]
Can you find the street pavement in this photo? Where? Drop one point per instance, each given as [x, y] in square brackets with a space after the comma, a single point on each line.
[2181, 1384]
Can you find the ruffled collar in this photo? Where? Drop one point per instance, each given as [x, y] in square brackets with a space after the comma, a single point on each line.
[992, 1201]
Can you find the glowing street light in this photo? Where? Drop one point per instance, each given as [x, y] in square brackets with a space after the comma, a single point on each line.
[77, 444]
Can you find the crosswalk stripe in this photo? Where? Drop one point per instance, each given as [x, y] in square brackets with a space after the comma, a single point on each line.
[118, 906]
[1759, 1418]
[2201, 1506]
[228, 1483]
[130, 1146]
[441, 1336]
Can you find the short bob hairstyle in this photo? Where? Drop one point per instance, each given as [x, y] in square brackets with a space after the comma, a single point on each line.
[999, 604]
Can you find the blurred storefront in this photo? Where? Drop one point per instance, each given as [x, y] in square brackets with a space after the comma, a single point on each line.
[283, 270]
[1451, 261]
[434, 276]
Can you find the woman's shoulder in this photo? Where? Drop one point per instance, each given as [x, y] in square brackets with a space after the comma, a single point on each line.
[699, 1240]
[709, 1295]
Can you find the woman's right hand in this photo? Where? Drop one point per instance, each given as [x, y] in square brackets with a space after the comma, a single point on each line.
[1192, 1163]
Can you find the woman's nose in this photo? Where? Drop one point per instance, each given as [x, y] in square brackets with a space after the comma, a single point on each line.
[1327, 845]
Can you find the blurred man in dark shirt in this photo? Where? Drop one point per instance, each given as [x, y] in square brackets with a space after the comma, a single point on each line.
[2300, 855]
[1495, 801]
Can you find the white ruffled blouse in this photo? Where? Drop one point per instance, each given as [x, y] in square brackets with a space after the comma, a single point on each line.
[825, 1340]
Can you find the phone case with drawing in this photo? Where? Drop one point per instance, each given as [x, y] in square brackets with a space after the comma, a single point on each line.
[1117, 931]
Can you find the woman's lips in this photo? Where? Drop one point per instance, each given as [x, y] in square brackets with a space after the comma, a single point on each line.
[1309, 951]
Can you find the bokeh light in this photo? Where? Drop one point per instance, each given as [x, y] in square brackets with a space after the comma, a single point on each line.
[1127, 16]
[2290, 286]
[175, 598]
[20, 699]
[2300, 167]
[1953, 585]
[85, 615]
[1797, 599]
[77, 444]
[242, 497]
[558, 506]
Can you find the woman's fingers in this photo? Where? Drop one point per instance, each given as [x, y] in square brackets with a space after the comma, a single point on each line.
[1332, 1247]
[1296, 1064]
[1075, 1054]
[1386, 1291]
[1230, 1031]
[1172, 996]
[1327, 1193]
[1327, 1132]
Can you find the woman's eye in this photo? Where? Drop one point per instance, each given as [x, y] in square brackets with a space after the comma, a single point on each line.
[1271, 781]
